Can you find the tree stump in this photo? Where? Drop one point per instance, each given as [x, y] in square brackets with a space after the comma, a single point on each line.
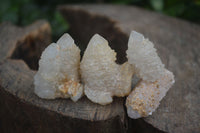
[177, 43]
[20, 48]
[22, 111]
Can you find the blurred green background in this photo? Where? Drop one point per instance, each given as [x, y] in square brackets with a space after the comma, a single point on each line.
[23, 12]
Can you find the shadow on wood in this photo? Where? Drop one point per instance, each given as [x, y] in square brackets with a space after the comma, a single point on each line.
[177, 43]
[20, 48]
[21, 110]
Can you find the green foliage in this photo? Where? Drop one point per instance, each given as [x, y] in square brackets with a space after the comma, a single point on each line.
[185, 9]
[157, 5]
[24, 12]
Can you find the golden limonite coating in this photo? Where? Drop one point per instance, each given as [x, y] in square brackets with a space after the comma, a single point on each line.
[58, 74]
[101, 76]
[98, 76]
[155, 79]
[146, 96]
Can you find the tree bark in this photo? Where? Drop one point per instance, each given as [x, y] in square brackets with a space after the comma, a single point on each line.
[177, 43]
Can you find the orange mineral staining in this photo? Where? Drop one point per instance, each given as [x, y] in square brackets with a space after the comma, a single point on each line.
[58, 74]
[146, 96]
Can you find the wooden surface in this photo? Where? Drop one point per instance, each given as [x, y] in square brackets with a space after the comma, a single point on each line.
[20, 48]
[22, 111]
[178, 44]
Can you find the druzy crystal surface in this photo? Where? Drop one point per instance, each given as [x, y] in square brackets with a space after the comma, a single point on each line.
[62, 75]
[58, 74]
[142, 54]
[146, 96]
[155, 79]
[101, 76]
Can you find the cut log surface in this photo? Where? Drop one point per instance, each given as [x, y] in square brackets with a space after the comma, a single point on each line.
[178, 45]
[177, 42]
[22, 111]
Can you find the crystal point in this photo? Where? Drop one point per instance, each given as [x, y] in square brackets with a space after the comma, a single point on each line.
[142, 54]
[58, 74]
[102, 77]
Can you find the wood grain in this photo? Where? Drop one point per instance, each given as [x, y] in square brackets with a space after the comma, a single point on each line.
[178, 44]
[22, 111]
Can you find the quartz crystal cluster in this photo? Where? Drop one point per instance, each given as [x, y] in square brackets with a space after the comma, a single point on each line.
[58, 74]
[61, 74]
[102, 77]
[142, 54]
[155, 79]
[146, 96]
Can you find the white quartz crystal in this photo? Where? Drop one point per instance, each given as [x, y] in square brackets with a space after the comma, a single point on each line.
[102, 77]
[146, 96]
[60, 71]
[58, 74]
[155, 79]
[142, 54]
